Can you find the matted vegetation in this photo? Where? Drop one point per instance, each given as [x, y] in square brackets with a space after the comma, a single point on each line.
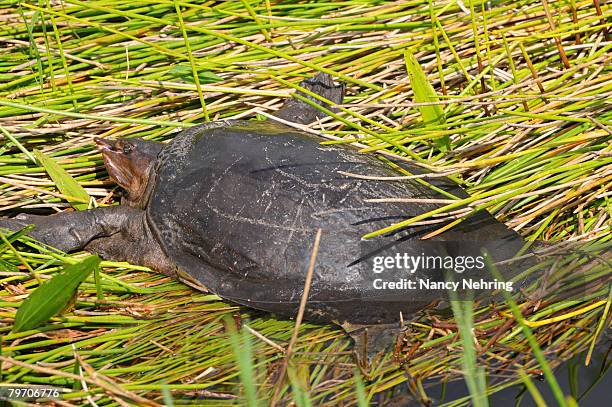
[524, 100]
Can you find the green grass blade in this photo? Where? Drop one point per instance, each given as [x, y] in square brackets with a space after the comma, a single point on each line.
[117, 119]
[6, 266]
[533, 390]
[600, 326]
[186, 73]
[362, 399]
[425, 93]
[6, 241]
[243, 353]
[196, 76]
[473, 374]
[533, 343]
[300, 395]
[17, 143]
[15, 235]
[168, 401]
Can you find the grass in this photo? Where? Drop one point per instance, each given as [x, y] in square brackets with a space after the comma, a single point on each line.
[522, 91]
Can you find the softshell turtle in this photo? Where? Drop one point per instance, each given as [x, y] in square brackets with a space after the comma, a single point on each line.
[233, 207]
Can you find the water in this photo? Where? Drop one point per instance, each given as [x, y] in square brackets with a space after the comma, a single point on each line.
[589, 385]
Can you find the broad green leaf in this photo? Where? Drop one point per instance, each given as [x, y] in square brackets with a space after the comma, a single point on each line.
[65, 183]
[52, 296]
[425, 93]
[185, 73]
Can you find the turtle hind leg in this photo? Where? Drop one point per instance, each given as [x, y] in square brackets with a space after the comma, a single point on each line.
[298, 111]
[370, 340]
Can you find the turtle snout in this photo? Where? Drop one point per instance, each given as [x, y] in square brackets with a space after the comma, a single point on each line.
[102, 144]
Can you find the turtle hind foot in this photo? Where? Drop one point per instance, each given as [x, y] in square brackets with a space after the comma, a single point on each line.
[371, 340]
[298, 111]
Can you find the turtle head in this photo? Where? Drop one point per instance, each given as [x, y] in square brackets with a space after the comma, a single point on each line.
[130, 163]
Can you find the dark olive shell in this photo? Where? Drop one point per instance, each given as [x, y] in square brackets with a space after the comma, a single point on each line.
[237, 205]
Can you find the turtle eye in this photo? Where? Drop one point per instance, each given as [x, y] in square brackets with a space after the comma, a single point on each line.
[127, 148]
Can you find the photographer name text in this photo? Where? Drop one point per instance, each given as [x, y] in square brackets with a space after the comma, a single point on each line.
[429, 284]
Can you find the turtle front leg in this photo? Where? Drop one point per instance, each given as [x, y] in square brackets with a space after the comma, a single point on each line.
[70, 231]
[135, 244]
[118, 233]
